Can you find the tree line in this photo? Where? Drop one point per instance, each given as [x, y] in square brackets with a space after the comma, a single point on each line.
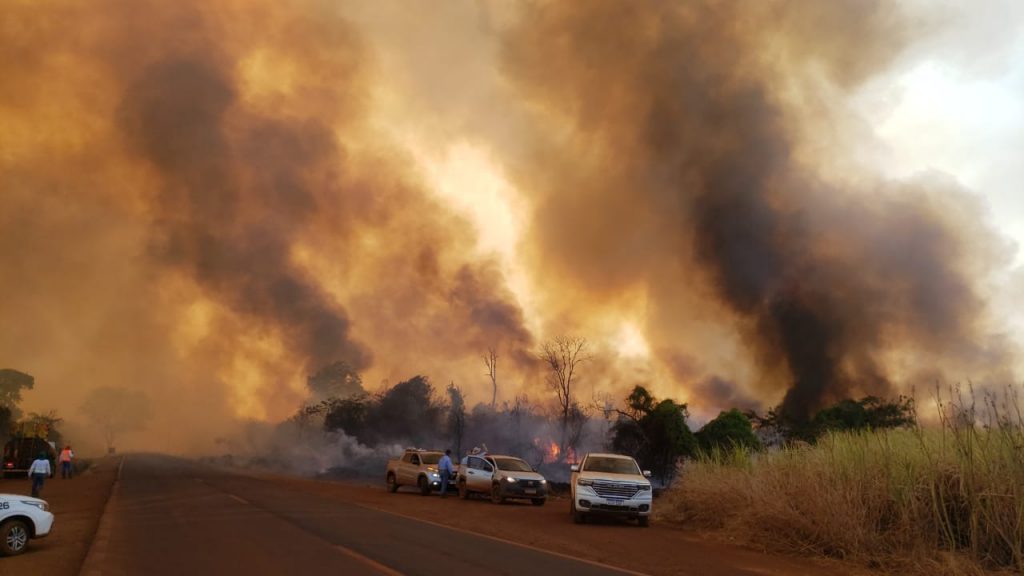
[656, 432]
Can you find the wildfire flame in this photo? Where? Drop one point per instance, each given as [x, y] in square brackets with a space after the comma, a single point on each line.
[552, 452]
[549, 448]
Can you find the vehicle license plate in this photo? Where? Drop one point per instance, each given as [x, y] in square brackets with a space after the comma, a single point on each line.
[616, 501]
[530, 490]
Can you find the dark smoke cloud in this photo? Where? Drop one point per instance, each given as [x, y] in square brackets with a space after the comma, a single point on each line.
[230, 208]
[225, 219]
[684, 148]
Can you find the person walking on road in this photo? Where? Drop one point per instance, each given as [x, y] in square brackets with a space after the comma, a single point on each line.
[66, 455]
[444, 467]
[38, 471]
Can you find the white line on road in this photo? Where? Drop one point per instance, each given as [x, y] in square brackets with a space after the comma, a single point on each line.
[504, 541]
[369, 562]
[237, 498]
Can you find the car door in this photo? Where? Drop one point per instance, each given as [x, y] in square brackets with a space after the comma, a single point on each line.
[410, 466]
[486, 475]
[477, 479]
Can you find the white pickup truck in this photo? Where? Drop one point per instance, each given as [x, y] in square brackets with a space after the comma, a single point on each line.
[610, 484]
[417, 468]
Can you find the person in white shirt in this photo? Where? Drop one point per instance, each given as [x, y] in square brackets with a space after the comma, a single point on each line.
[38, 471]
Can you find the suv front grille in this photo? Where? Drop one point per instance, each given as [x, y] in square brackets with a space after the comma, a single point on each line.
[615, 489]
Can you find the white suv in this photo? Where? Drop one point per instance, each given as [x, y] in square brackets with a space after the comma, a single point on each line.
[22, 518]
[610, 484]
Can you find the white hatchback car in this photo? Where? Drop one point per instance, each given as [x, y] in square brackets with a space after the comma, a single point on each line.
[22, 518]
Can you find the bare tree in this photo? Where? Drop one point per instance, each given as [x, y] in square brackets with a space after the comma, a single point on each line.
[491, 360]
[563, 355]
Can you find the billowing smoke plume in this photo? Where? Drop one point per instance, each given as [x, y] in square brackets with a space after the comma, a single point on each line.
[681, 146]
[231, 205]
[211, 203]
[197, 204]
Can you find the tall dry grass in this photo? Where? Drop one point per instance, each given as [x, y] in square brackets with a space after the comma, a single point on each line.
[946, 498]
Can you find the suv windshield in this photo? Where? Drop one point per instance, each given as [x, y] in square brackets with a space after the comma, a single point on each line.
[430, 457]
[513, 464]
[611, 465]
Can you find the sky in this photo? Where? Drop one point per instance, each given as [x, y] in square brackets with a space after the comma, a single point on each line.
[736, 204]
[956, 104]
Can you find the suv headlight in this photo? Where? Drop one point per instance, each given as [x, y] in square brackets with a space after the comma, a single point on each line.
[543, 481]
[509, 479]
[584, 482]
[41, 505]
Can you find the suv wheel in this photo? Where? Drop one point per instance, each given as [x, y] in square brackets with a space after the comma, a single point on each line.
[496, 496]
[538, 501]
[463, 492]
[13, 537]
[424, 486]
[577, 516]
[643, 521]
[392, 484]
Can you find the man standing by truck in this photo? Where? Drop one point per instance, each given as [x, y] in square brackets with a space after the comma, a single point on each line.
[444, 468]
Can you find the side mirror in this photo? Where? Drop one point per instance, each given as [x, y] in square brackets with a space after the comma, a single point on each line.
[574, 468]
[647, 473]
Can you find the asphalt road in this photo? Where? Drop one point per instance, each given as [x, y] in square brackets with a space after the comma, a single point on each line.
[171, 516]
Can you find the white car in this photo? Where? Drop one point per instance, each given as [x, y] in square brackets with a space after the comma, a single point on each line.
[610, 484]
[22, 518]
[503, 478]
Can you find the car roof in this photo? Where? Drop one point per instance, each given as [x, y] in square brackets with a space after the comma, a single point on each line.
[608, 455]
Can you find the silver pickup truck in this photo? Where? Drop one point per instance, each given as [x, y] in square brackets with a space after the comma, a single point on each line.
[417, 468]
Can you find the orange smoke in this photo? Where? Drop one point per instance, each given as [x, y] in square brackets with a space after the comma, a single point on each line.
[211, 203]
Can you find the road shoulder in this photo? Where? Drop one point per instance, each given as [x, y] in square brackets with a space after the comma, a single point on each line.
[77, 506]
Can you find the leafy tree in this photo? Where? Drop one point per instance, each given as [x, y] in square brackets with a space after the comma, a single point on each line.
[729, 429]
[348, 415]
[6, 419]
[869, 412]
[12, 383]
[456, 417]
[653, 432]
[406, 413]
[309, 417]
[337, 380]
[52, 423]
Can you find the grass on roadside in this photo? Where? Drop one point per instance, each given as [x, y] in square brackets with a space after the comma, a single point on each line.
[943, 499]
